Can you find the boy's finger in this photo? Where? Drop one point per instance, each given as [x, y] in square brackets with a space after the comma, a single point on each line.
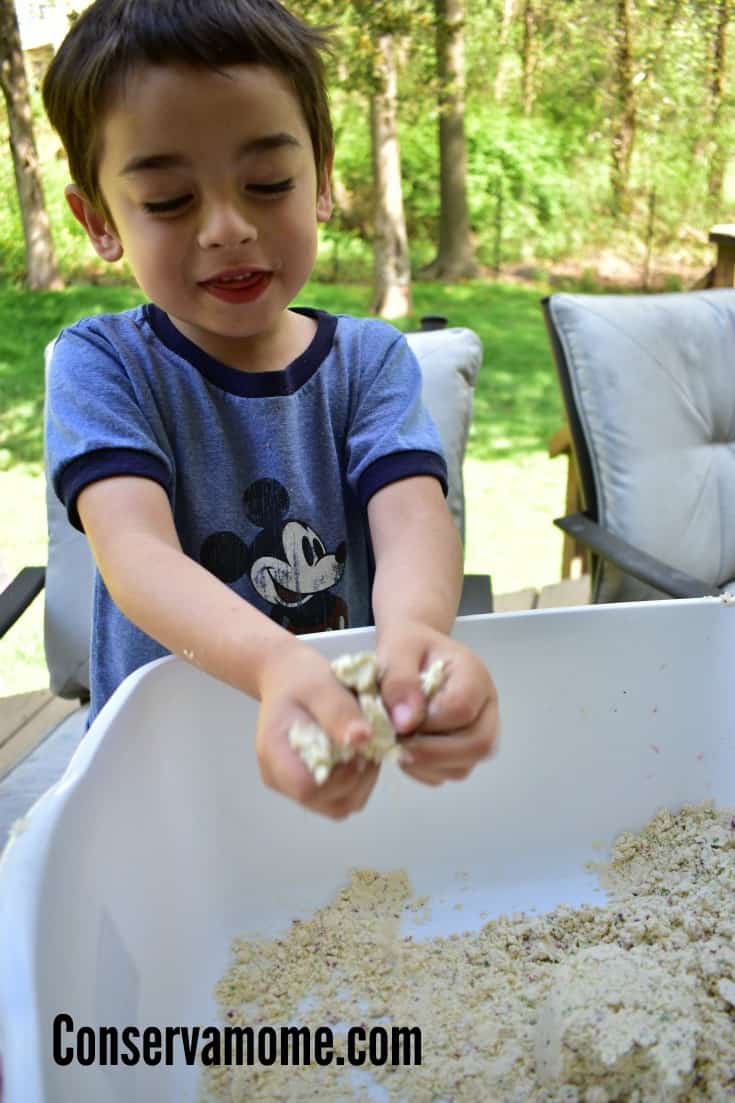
[347, 790]
[400, 689]
[454, 749]
[340, 716]
[286, 773]
[349, 798]
[437, 777]
[427, 777]
[343, 781]
[461, 703]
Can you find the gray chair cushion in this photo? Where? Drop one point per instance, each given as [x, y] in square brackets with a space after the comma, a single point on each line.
[68, 602]
[653, 380]
[449, 359]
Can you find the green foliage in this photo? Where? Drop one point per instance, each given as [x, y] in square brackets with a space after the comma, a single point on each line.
[538, 185]
[518, 177]
[518, 172]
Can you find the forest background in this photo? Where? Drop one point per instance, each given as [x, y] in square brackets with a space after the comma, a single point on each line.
[596, 132]
[488, 151]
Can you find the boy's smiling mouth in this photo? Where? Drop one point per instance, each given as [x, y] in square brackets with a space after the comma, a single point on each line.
[238, 285]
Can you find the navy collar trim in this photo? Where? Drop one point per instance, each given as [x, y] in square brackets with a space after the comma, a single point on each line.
[267, 384]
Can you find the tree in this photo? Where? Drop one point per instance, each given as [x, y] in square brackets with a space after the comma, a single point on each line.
[392, 275]
[624, 121]
[529, 56]
[456, 257]
[501, 73]
[367, 35]
[42, 272]
[716, 174]
[575, 116]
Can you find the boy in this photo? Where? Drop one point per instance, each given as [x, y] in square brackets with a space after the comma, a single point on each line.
[245, 471]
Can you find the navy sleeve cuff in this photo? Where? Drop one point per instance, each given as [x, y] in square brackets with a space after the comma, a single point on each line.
[400, 465]
[103, 464]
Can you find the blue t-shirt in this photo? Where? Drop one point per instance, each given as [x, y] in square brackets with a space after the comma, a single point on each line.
[268, 473]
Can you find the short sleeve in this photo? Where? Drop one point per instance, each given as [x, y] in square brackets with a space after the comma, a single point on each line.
[100, 418]
[391, 434]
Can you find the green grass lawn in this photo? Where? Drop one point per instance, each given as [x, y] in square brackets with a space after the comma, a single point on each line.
[513, 490]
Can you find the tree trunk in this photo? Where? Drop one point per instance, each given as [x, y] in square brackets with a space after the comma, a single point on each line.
[624, 121]
[718, 155]
[42, 273]
[528, 57]
[456, 257]
[501, 74]
[392, 290]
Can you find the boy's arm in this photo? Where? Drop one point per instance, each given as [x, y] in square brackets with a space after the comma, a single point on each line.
[176, 601]
[416, 591]
[170, 597]
[418, 555]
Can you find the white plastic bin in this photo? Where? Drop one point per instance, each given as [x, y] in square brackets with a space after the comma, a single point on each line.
[119, 897]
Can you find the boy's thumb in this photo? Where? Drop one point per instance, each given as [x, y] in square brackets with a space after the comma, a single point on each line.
[403, 699]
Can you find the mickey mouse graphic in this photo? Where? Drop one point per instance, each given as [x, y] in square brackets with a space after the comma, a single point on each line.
[287, 562]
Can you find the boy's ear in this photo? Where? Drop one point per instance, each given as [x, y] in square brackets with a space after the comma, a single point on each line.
[99, 232]
[324, 195]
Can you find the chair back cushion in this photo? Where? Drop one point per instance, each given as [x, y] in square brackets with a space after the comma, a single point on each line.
[449, 359]
[652, 380]
[68, 603]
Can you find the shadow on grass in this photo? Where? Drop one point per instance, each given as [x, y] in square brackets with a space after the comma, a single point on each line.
[28, 321]
[517, 401]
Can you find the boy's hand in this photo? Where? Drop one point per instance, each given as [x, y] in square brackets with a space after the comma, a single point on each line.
[299, 684]
[457, 728]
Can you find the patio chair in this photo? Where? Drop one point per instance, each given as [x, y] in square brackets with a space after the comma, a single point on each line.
[450, 359]
[648, 383]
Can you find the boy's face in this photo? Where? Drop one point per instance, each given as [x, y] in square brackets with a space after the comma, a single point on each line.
[211, 185]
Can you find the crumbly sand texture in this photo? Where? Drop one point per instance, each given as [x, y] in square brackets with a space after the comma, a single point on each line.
[630, 1002]
[360, 673]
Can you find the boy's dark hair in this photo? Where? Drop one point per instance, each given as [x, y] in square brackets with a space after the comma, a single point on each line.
[112, 37]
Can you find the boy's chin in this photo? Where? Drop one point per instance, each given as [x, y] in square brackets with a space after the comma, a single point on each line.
[207, 331]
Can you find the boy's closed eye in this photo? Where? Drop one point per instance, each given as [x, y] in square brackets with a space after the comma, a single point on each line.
[272, 189]
[166, 206]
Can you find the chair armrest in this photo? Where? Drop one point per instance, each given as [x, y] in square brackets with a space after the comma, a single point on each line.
[15, 598]
[646, 568]
[477, 595]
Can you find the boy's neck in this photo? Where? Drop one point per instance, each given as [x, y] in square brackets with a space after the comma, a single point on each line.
[263, 352]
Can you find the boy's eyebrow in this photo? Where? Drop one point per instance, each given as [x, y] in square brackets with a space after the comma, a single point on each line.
[176, 160]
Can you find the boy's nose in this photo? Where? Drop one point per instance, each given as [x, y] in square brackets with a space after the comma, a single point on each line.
[223, 224]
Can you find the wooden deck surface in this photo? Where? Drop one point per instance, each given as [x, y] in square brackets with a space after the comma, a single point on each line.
[27, 718]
